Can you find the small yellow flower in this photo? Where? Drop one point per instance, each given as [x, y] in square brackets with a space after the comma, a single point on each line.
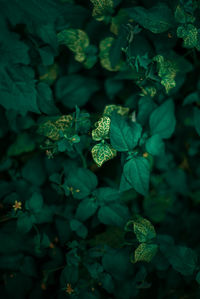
[69, 289]
[17, 205]
[145, 155]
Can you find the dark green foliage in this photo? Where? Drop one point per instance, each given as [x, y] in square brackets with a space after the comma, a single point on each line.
[100, 164]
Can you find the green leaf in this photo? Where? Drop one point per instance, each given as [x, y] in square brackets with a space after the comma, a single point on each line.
[124, 136]
[79, 228]
[157, 206]
[146, 105]
[23, 144]
[35, 203]
[197, 120]
[69, 274]
[12, 44]
[116, 262]
[157, 19]
[107, 282]
[28, 266]
[136, 172]
[105, 48]
[81, 182]
[183, 15]
[116, 48]
[86, 209]
[145, 252]
[143, 229]
[154, 145]
[191, 98]
[33, 171]
[183, 259]
[17, 89]
[105, 195]
[45, 99]
[162, 120]
[198, 277]
[114, 214]
[25, 223]
[103, 152]
[75, 90]
[113, 87]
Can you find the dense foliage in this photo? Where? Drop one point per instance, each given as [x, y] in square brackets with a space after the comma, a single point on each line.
[100, 127]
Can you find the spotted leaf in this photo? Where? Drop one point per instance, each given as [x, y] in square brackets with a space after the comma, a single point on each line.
[103, 152]
[102, 129]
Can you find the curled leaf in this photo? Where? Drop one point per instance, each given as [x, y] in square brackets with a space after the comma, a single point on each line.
[76, 40]
[167, 71]
[102, 8]
[103, 152]
[102, 129]
[52, 129]
[119, 109]
[145, 252]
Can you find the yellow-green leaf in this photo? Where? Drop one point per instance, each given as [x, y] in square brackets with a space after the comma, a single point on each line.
[104, 54]
[189, 34]
[102, 129]
[103, 152]
[52, 129]
[76, 40]
[119, 109]
[145, 252]
[167, 71]
[102, 8]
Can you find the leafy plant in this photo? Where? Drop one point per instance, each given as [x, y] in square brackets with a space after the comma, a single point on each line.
[100, 165]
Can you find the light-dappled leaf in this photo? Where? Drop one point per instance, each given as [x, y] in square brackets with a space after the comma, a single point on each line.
[102, 129]
[167, 70]
[104, 55]
[189, 34]
[53, 128]
[109, 109]
[143, 229]
[76, 40]
[102, 8]
[145, 252]
[103, 152]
